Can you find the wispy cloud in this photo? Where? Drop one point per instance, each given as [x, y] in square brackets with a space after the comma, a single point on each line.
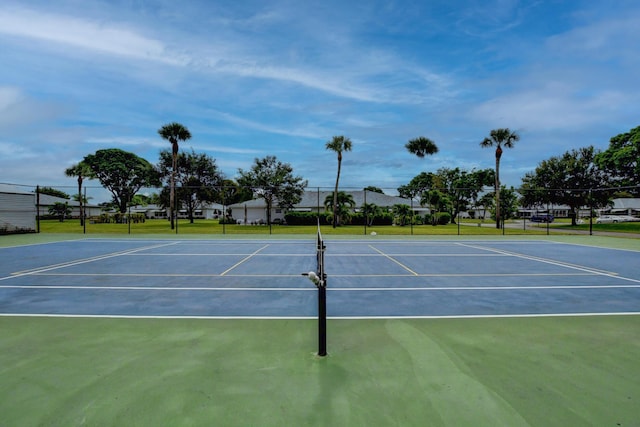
[107, 38]
[258, 78]
[346, 79]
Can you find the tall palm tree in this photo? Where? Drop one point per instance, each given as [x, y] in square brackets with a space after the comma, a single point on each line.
[499, 138]
[81, 171]
[338, 144]
[421, 147]
[173, 132]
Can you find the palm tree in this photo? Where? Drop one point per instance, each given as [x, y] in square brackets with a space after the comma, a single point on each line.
[421, 147]
[82, 171]
[173, 132]
[499, 138]
[338, 144]
[370, 212]
[342, 205]
[402, 214]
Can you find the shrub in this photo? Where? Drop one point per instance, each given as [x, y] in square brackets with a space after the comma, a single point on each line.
[443, 218]
[303, 218]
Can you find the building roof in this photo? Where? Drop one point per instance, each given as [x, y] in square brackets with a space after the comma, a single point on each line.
[626, 203]
[313, 199]
[13, 189]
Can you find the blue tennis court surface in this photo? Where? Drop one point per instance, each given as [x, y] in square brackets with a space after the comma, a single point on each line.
[366, 278]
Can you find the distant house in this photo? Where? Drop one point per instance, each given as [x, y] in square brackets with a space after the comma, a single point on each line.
[17, 210]
[621, 206]
[45, 201]
[558, 211]
[626, 206]
[255, 211]
[207, 211]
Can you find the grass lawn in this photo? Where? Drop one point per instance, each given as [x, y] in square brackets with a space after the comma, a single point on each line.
[563, 371]
[212, 227]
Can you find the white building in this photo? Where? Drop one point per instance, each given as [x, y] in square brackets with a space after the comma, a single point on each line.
[255, 211]
[626, 206]
[17, 210]
[45, 201]
[208, 211]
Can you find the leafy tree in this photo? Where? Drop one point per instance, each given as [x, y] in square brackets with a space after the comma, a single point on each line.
[122, 173]
[421, 147]
[173, 132]
[81, 171]
[461, 187]
[338, 144]
[232, 193]
[437, 202]
[373, 189]
[509, 202]
[53, 192]
[622, 160]
[344, 203]
[499, 138]
[488, 202]
[198, 175]
[142, 200]
[568, 180]
[418, 184]
[274, 182]
[61, 210]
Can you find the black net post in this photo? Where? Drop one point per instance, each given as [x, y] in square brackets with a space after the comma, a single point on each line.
[322, 301]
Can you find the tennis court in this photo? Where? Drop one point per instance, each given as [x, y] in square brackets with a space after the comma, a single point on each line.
[366, 278]
[154, 331]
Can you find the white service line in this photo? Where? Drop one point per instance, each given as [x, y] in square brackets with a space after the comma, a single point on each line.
[80, 261]
[545, 260]
[243, 260]
[394, 260]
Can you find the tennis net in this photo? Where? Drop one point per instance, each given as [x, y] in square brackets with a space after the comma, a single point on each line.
[320, 247]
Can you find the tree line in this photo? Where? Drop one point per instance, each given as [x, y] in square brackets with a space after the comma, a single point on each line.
[576, 178]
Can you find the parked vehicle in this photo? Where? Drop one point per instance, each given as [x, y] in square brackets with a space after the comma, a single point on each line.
[612, 219]
[543, 217]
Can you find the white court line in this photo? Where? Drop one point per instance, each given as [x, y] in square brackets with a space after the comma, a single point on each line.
[394, 260]
[331, 275]
[155, 288]
[225, 254]
[413, 255]
[306, 289]
[38, 270]
[544, 260]
[443, 317]
[243, 260]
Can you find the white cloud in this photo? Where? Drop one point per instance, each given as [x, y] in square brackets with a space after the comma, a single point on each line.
[15, 151]
[81, 33]
[17, 110]
[552, 107]
[369, 76]
[602, 39]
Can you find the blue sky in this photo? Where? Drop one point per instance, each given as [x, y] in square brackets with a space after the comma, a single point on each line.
[257, 78]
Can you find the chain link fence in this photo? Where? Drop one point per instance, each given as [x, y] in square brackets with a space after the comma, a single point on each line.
[231, 209]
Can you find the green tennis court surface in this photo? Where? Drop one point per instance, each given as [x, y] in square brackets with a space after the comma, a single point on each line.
[569, 369]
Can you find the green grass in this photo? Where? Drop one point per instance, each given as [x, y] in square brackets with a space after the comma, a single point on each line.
[463, 372]
[212, 227]
[623, 227]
